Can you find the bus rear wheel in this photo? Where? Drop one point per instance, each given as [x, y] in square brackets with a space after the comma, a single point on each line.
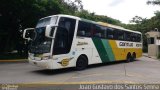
[128, 58]
[133, 56]
[81, 63]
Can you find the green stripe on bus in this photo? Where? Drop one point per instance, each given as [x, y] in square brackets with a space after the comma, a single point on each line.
[108, 49]
[101, 49]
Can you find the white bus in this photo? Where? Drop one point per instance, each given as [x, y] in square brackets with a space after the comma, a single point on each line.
[62, 41]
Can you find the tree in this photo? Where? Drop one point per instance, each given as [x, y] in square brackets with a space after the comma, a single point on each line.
[154, 2]
[99, 18]
[137, 20]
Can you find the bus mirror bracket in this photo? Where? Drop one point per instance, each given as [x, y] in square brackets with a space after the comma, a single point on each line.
[25, 31]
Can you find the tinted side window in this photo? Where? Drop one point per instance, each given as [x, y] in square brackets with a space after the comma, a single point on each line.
[115, 34]
[64, 36]
[133, 37]
[138, 38]
[120, 35]
[127, 36]
[84, 29]
[110, 33]
[99, 31]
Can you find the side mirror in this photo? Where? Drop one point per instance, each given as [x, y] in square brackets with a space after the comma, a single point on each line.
[49, 31]
[26, 33]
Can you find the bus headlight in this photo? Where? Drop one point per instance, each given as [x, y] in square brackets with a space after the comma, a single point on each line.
[46, 57]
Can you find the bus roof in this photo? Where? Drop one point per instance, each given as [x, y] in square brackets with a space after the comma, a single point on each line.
[117, 27]
[90, 21]
[63, 15]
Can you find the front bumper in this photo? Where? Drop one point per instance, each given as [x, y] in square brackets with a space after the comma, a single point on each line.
[47, 64]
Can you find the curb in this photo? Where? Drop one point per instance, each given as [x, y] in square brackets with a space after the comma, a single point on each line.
[146, 56]
[18, 60]
[150, 57]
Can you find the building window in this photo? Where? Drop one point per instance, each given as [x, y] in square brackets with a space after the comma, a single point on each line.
[152, 40]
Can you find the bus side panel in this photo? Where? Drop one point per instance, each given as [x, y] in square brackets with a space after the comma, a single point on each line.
[120, 53]
[103, 49]
[139, 53]
[86, 46]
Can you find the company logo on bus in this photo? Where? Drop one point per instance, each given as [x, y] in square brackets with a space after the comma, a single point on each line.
[123, 44]
[65, 62]
[82, 43]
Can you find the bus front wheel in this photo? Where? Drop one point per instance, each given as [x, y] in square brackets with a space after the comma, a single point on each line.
[81, 63]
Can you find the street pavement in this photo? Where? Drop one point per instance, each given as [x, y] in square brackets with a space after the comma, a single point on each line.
[143, 70]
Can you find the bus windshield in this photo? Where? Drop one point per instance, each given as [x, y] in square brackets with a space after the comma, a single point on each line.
[40, 43]
[43, 22]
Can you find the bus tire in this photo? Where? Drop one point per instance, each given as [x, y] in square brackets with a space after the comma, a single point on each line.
[128, 58]
[82, 63]
[134, 56]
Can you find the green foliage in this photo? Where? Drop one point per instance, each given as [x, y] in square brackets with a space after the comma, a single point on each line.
[145, 49]
[19, 14]
[144, 25]
[12, 56]
[154, 2]
[137, 20]
[99, 18]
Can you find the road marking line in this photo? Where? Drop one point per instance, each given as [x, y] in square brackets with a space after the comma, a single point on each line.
[131, 74]
[47, 83]
[100, 74]
[87, 75]
[85, 82]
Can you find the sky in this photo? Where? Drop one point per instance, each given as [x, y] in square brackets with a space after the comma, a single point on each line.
[123, 10]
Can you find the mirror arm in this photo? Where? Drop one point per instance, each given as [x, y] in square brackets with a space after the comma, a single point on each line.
[24, 33]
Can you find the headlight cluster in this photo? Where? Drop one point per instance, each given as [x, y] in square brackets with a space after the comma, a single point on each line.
[46, 57]
[39, 57]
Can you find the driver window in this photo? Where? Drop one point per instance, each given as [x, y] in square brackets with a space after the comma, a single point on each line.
[64, 35]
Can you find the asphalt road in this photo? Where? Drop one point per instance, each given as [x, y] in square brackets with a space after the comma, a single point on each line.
[143, 70]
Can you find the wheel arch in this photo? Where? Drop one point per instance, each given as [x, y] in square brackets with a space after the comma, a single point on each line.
[128, 54]
[81, 62]
[134, 54]
[82, 55]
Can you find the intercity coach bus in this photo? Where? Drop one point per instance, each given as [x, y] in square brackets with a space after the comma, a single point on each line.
[62, 41]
